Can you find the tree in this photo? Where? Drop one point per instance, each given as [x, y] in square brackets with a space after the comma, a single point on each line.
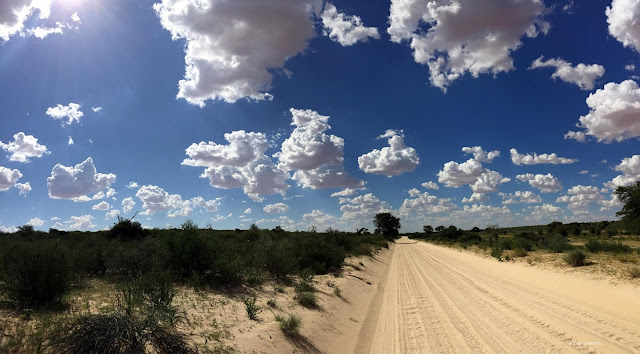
[387, 224]
[440, 228]
[630, 197]
[428, 229]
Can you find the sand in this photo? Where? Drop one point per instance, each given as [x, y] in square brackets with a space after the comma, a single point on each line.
[432, 299]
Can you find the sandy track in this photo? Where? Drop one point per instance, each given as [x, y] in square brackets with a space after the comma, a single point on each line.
[436, 299]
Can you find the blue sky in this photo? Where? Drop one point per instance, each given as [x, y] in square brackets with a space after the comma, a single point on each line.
[300, 113]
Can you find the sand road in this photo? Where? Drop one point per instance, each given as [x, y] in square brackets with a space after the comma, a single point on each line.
[434, 299]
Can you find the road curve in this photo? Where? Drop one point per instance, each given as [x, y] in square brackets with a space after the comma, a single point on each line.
[434, 299]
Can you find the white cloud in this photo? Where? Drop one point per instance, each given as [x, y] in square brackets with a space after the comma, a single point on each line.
[430, 185]
[248, 211]
[488, 182]
[472, 173]
[422, 204]
[181, 212]
[582, 75]
[316, 157]
[77, 182]
[9, 230]
[218, 218]
[232, 46]
[347, 192]
[545, 183]
[535, 159]
[465, 36]
[276, 208]
[14, 14]
[476, 198]
[70, 142]
[630, 168]
[630, 67]
[210, 206]
[520, 197]
[23, 147]
[127, 205]
[70, 112]
[241, 163]
[9, 178]
[112, 214]
[320, 219]
[75, 17]
[480, 155]
[568, 6]
[24, 188]
[83, 222]
[43, 32]
[614, 112]
[583, 172]
[55, 218]
[155, 199]
[101, 206]
[577, 136]
[35, 222]
[96, 109]
[542, 212]
[623, 24]
[607, 204]
[393, 160]
[346, 30]
[362, 208]
[580, 197]
[132, 185]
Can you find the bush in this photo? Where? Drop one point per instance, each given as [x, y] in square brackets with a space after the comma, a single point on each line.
[37, 275]
[127, 229]
[307, 299]
[634, 272]
[556, 243]
[252, 308]
[595, 246]
[576, 258]
[157, 288]
[496, 253]
[290, 325]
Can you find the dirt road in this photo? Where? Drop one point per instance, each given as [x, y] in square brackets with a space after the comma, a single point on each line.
[436, 299]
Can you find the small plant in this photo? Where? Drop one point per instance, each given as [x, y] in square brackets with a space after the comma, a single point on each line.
[530, 260]
[330, 284]
[337, 292]
[576, 258]
[627, 258]
[307, 299]
[496, 253]
[26, 314]
[520, 252]
[272, 303]
[253, 309]
[279, 289]
[290, 325]
[634, 272]
[361, 264]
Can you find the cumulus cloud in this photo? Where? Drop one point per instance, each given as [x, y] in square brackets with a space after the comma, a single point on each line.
[23, 147]
[35, 222]
[520, 197]
[476, 198]
[545, 183]
[248, 211]
[393, 160]
[276, 208]
[535, 159]
[580, 197]
[465, 36]
[347, 192]
[480, 155]
[346, 30]
[24, 188]
[128, 204]
[239, 164]
[319, 219]
[472, 173]
[542, 212]
[77, 182]
[233, 46]
[101, 206]
[582, 75]
[43, 32]
[422, 204]
[68, 114]
[622, 18]
[96, 109]
[70, 141]
[630, 67]
[155, 199]
[9, 178]
[75, 17]
[362, 207]
[132, 185]
[316, 157]
[14, 14]
[210, 206]
[430, 185]
[83, 222]
[630, 168]
[112, 214]
[577, 136]
[614, 112]
[9, 230]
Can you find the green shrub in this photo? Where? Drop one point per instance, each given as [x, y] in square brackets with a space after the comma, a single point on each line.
[520, 252]
[556, 243]
[634, 272]
[496, 253]
[290, 325]
[307, 299]
[595, 246]
[253, 309]
[127, 229]
[157, 288]
[37, 274]
[576, 258]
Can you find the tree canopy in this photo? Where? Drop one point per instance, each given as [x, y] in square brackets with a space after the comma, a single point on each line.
[630, 197]
[387, 224]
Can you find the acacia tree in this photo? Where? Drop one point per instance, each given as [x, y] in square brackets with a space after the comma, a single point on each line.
[387, 225]
[630, 212]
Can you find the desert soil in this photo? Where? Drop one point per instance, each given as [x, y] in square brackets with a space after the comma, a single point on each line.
[441, 300]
